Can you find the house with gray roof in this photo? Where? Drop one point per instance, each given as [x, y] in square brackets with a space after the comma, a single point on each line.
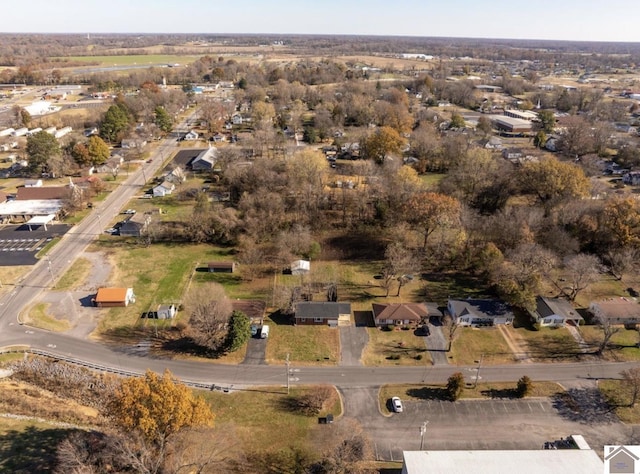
[555, 312]
[480, 312]
[323, 313]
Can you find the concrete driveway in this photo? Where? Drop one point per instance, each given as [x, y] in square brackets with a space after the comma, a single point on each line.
[476, 424]
[352, 342]
[256, 350]
[436, 345]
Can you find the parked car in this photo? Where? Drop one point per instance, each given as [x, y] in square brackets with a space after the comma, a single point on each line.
[396, 403]
[111, 230]
[129, 211]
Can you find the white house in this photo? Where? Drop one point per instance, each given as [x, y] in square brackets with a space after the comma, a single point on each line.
[6, 132]
[20, 132]
[480, 312]
[50, 130]
[163, 189]
[62, 132]
[555, 312]
[191, 135]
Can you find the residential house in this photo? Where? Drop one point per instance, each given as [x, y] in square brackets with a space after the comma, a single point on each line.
[300, 267]
[254, 309]
[236, 119]
[131, 143]
[166, 311]
[205, 160]
[175, 176]
[402, 314]
[480, 312]
[320, 313]
[616, 311]
[163, 189]
[32, 183]
[191, 135]
[112, 165]
[494, 143]
[221, 267]
[114, 297]
[136, 225]
[555, 312]
[62, 132]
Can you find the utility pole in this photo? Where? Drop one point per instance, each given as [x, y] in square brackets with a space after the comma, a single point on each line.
[288, 373]
[423, 430]
[50, 271]
[475, 384]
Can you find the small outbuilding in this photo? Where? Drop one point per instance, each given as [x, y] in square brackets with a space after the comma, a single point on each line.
[114, 297]
[166, 311]
[221, 267]
[300, 267]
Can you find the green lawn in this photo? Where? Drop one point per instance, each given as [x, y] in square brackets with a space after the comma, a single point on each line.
[470, 344]
[75, 276]
[619, 396]
[262, 418]
[397, 347]
[304, 344]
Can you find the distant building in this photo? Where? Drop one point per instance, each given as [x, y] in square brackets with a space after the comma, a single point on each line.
[114, 297]
[510, 124]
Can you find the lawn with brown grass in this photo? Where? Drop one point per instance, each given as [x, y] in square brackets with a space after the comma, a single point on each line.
[623, 345]
[398, 347]
[619, 397]
[75, 276]
[10, 276]
[470, 344]
[38, 316]
[548, 344]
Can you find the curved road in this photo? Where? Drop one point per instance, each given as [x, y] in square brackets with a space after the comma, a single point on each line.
[62, 256]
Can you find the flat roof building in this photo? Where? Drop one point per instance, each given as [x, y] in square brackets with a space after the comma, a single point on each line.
[511, 124]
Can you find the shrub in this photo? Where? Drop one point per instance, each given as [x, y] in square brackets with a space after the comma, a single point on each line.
[524, 386]
[455, 385]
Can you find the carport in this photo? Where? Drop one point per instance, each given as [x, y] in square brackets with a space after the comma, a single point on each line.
[40, 220]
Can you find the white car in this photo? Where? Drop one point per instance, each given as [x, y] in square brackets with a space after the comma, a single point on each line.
[396, 403]
[129, 211]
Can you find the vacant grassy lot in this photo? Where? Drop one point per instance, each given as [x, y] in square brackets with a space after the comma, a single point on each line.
[548, 343]
[10, 275]
[39, 317]
[395, 348]
[304, 344]
[619, 396]
[482, 390]
[76, 275]
[472, 343]
[622, 347]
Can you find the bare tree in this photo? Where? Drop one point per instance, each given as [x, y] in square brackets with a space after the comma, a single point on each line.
[348, 450]
[209, 310]
[621, 261]
[399, 260]
[631, 381]
[450, 329]
[608, 331]
[582, 271]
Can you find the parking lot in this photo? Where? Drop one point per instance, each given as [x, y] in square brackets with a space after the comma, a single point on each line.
[475, 424]
[19, 246]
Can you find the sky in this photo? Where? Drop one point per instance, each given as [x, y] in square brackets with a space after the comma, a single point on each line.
[580, 20]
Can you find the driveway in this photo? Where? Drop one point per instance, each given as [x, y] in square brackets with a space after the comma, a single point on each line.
[477, 424]
[437, 345]
[256, 350]
[352, 342]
